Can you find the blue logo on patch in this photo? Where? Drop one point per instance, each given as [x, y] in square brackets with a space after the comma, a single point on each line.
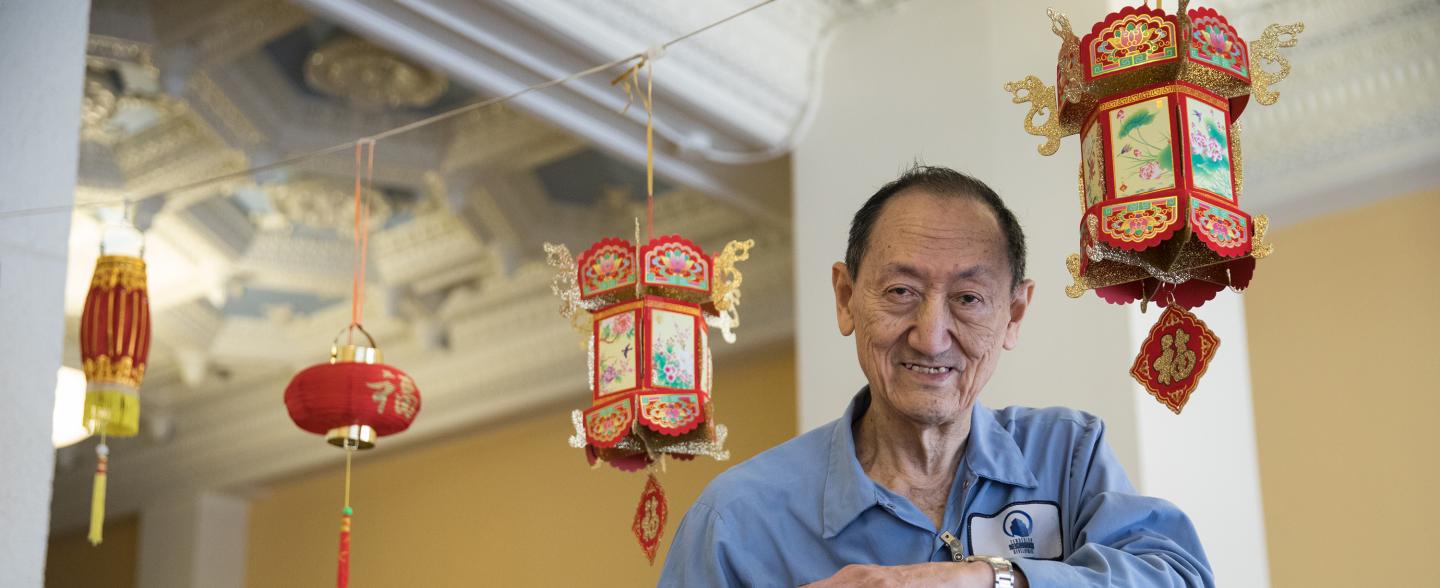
[1018, 524]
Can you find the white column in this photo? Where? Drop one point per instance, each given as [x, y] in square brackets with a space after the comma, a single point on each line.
[44, 48]
[195, 541]
[1205, 460]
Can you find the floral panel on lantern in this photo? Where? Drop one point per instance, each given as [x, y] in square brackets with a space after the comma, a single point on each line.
[672, 261]
[1092, 156]
[607, 266]
[606, 425]
[1215, 43]
[1209, 148]
[672, 349]
[1140, 148]
[670, 414]
[616, 365]
[1138, 37]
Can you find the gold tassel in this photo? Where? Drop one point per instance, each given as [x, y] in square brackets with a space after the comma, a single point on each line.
[97, 496]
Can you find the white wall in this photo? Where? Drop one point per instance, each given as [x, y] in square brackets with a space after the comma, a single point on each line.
[44, 48]
[923, 82]
[1205, 461]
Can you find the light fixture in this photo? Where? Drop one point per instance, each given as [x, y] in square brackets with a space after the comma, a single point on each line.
[69, 424]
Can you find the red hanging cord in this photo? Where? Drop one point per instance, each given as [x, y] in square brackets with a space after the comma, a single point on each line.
[362, 230]
[365, 224]
[355, 271]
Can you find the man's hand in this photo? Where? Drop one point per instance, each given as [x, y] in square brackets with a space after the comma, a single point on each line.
[940, 574]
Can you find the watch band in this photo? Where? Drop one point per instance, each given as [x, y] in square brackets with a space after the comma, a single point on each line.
[1004, 570]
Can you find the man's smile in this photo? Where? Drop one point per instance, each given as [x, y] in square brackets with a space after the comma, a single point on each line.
[921, 368]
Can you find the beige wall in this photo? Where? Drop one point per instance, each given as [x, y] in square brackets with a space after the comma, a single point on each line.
[71, 562]
[513, 505]
[1344, 325]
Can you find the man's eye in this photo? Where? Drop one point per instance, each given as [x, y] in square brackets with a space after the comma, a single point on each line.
[900, 292]
[968, 299]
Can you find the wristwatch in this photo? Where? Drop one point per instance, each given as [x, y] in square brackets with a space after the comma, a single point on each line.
[1004, 570]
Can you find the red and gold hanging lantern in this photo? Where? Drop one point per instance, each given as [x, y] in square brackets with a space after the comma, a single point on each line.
[355, 398]
[114, 348]
[353, 401]
[1154, 97]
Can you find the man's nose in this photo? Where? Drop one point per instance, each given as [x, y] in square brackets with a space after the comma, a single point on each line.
[930, 334]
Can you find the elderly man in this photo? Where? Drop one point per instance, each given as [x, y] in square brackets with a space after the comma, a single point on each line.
[917, 484]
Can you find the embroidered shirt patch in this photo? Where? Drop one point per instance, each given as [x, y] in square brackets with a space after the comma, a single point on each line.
[1021, 529]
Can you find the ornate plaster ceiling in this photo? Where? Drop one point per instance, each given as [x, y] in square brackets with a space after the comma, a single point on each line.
[250, 277]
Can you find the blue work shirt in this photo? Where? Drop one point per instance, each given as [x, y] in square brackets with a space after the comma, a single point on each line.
[1037, 486]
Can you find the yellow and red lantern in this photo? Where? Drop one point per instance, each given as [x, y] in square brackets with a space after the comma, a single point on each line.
[114, 348]
[115, 345]
[1154, 97]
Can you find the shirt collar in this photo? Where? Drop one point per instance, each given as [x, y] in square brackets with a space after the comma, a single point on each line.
[991, 454]
[848, 491]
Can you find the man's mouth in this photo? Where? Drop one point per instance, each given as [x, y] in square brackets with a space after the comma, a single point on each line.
[927, 369]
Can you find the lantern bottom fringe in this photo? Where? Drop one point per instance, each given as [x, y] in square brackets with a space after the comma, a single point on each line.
[115, 413]
[97, 497]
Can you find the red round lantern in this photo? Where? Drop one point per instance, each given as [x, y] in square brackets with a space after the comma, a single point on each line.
[353, 399]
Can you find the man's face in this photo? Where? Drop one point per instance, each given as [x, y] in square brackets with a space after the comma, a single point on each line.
[932, 305]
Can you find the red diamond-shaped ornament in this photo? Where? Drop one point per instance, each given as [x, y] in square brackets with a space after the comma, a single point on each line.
[1174, 356]
[650, 517]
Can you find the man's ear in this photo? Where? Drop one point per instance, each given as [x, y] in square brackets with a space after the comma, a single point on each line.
[844, 289]
[1019, 303]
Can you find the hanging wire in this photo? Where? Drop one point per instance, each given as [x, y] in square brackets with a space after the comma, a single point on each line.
[377, 136]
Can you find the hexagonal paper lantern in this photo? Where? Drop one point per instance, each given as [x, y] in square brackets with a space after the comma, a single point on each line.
[647, 311]
[650, 360]
[1154, 97]
[1157, 170]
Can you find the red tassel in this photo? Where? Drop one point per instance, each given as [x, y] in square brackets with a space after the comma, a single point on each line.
[342, 576]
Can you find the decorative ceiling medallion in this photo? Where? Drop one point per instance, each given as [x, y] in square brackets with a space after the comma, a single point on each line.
[98, 104]
[324, 204]
[370, 76]
[120, 101]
